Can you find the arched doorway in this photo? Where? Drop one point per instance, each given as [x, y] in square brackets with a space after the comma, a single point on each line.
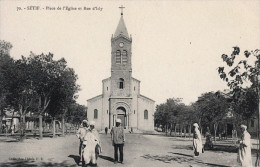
[121, 114]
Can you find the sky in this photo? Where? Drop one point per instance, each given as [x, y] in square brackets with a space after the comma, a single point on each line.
[176, 45]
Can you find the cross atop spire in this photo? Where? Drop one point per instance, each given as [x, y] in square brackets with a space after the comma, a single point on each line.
[121, 7]
[121, 28]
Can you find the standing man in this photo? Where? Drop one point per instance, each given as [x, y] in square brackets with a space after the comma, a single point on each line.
[118, 140]
[244, 151]
[197, 141]
[82, 131]
[98, 148]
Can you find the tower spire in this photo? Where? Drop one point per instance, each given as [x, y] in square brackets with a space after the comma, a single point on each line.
[122, 7]
[121, 27]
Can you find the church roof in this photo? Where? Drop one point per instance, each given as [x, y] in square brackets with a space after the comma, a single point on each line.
[121, 28]
[142, 96]
[96, 97]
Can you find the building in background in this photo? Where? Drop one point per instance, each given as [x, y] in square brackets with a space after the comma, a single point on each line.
[121, 96]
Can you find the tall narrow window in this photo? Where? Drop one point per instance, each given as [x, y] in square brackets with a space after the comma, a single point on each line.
[124, 57]
[145, 114]
[95, 114]
[121, 83]
[118, 57]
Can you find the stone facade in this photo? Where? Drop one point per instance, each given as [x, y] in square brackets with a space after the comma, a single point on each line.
[121, 96]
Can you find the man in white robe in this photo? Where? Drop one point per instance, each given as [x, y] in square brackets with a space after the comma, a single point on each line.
[197, 140]
[90, 142]
[244, 151]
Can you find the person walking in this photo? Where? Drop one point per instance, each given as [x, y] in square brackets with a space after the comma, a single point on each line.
[197, 141]
[118, 140]
[82, 131]
[244, 151]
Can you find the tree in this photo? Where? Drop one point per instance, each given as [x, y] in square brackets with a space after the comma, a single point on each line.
[245, 70]
[67, 90]
[171, 114]
[6, 65]
[51, 79]
[76, 114]
[212, 108]
[22, 92]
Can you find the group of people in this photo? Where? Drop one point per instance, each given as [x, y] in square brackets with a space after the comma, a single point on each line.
[244, 150]
[90, 144]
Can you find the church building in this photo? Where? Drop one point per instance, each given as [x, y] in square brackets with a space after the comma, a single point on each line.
[121, 96]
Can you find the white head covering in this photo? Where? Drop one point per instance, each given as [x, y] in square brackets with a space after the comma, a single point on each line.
[243, 126]
[195, 125]
[85, 121]
[92, 123]
[118, 120]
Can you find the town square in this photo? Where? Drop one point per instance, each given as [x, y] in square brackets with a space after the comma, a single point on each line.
[171, 83]
[140, 150]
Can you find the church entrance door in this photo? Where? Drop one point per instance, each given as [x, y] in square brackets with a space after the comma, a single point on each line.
[122, 117]
[121, 114]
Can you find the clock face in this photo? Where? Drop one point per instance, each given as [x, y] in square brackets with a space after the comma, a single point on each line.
[121, 44]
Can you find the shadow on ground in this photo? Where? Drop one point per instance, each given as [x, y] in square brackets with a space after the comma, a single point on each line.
[19, 163]
[76, 158]
[185, 147]
[181, 159]
[216, 148]
[106, 158]
[228, 148]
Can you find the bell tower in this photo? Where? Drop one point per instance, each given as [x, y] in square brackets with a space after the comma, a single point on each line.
[121, 65]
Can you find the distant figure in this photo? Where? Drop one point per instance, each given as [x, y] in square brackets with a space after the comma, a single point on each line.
[118, 140]
[234, 135]
[209, 143]
[244, 151]
[82, 131]
[224, 135]
[12, 130]
[106, 129]
[197, 141]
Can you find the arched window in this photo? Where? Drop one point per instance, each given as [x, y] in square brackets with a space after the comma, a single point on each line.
[118, 57]
[145, 114]
[121, 83]
[124, 57]
[95, 114]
